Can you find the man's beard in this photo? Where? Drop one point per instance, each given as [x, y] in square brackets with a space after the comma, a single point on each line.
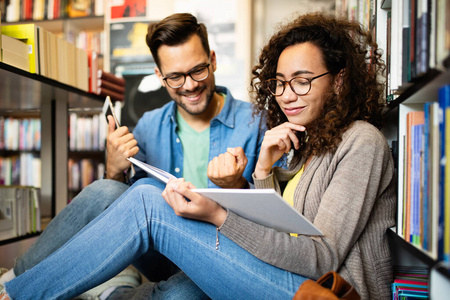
[195, 109]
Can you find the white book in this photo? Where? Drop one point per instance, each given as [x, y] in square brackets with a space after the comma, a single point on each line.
[158, 173]
[262, 206]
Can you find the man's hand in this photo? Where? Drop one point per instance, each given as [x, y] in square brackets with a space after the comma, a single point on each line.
[226, 169]
[120, 144]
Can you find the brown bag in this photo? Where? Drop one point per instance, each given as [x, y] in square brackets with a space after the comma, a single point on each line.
[329, 286]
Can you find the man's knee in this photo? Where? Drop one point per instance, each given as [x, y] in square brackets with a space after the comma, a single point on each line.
[99, 194]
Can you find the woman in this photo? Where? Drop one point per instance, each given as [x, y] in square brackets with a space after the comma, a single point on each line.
[317, 84]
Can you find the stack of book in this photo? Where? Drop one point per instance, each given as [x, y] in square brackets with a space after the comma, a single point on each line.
[19, 211]
[110, 85]
[410, 283]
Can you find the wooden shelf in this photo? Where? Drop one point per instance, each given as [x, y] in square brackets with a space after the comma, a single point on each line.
[90, 23]
[22, 90]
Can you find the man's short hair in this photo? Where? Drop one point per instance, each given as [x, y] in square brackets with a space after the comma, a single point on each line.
[174, 30]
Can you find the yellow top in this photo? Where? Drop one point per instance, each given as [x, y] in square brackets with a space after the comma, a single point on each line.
[288, 193]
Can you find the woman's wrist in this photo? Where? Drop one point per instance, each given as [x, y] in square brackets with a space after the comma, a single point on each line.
[261, 173]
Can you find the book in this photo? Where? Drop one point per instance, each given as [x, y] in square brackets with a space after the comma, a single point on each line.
[446, 175]
[102, 91]
[434, 178]
[15, 53]
[156, 172]
[110, 77]
[412, 118]
[101, 83]
[444, 103]
[415, 207]
[28, 34]
[108, 109]
[262, 206]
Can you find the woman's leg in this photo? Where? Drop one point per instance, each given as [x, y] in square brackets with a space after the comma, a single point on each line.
[141, 220]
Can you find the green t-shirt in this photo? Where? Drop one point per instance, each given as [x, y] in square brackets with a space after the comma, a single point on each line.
[195, 151]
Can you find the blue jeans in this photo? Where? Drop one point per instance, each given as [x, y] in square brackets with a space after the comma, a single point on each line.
[141, 221]
[85, 207]
[177, 287]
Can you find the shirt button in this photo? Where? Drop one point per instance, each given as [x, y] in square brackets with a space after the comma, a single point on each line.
[178, 140]
[177, 170]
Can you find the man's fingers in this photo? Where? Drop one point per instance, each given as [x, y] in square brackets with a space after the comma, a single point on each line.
[111, 124]
[239, 154]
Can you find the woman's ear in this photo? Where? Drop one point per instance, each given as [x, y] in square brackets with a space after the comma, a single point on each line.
[338, 82]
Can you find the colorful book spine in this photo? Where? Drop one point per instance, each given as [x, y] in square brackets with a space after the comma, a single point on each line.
[446, 254]
[412, 118]
[425, 182]
[444, 103]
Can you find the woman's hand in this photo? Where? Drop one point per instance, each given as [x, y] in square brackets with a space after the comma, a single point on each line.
[188, 204]
[226, 169]
[277, 142]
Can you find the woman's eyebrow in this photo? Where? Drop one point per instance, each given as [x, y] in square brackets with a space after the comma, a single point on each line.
[297, 73]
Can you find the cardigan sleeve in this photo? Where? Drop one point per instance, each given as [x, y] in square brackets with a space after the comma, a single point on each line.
[345, 187]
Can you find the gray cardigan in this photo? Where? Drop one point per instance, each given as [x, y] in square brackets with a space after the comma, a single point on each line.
[350, 197]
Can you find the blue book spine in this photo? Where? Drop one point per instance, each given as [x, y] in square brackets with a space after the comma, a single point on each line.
[416, 207]
[444, 102]
[425, 176]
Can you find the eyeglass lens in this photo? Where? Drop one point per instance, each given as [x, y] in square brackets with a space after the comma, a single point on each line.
[299, 85]
[177, 80]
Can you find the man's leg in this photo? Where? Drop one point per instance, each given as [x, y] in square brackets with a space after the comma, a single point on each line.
[176, 287]
[85, 207]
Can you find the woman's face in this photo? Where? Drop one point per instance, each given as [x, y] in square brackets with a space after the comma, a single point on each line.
[302, 60]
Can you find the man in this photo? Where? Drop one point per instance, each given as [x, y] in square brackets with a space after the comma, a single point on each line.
[204, 131]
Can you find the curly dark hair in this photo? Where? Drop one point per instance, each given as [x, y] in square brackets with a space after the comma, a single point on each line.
[347, 48]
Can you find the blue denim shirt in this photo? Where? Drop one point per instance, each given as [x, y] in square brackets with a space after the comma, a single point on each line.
[160, 146]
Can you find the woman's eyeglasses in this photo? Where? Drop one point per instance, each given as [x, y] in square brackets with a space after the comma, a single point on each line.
[177, 80]
[299, 85]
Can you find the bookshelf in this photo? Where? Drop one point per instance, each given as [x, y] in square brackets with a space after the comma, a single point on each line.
[410, 85]
[417, 54]
[25, 93]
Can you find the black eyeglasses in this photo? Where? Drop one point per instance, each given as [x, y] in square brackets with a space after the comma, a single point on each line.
[299, 85]
[177, 80]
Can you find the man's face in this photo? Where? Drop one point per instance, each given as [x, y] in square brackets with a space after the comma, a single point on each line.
[193, 96]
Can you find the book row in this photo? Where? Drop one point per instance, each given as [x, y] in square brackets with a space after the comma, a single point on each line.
[87, 133]
[83, 172]
[424, 210]
[25, 10]
[37, 50]
[19, 211]
[23, 169]
[418, 40]
[20, 134]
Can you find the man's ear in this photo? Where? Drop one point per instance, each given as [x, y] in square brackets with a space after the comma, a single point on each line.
[160, 77]
[213, 60]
